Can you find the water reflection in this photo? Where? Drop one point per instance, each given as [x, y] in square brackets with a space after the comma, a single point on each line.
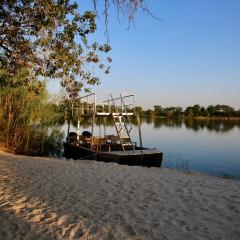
[212, 125]
[198, 124]
[216, 125]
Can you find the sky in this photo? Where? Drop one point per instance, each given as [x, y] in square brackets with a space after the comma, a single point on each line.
[191, 57]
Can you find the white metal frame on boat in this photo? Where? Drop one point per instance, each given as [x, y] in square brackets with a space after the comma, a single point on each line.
[120, 108]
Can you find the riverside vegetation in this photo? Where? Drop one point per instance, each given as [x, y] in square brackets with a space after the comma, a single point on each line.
[26, 113]
[195, 111]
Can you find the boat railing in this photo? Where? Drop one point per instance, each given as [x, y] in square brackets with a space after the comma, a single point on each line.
[89, 105]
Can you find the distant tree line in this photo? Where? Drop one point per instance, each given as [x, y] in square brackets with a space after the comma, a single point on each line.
[191, 111]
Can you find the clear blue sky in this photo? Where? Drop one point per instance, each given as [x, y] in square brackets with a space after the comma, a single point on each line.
[191, 57]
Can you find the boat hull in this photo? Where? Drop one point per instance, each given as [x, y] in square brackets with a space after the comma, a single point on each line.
[139, 157]
[78, 152]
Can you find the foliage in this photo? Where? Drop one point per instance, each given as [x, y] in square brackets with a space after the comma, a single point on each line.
[168, 112]
[216, 111]
[128, 8]
[49, 37]
[191, 111]
[23, 108]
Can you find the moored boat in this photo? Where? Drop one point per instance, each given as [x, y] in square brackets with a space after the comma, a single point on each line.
[117, 147]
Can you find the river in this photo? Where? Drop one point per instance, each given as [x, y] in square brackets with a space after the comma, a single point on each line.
[210, 146]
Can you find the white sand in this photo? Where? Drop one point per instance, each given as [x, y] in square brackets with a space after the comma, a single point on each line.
[42, 198]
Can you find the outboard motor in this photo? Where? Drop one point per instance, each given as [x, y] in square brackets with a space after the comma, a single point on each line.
[86, 134]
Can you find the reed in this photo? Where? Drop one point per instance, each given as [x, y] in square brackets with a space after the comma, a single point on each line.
[24, 108]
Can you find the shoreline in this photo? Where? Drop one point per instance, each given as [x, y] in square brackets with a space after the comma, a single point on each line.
[48, 198]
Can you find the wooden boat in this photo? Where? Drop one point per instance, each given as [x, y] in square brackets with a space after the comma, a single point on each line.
[117, 148]
[110, 152]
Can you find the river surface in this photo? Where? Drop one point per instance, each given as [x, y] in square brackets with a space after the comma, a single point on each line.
[210, 146]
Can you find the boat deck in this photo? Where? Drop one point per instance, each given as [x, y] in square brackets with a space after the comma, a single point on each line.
[143, 157]
[139, 157]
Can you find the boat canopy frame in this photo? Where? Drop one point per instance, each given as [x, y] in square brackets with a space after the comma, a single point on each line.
[118, 107]
[89, 104]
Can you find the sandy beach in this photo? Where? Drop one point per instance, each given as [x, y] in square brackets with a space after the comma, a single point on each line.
[43, 198]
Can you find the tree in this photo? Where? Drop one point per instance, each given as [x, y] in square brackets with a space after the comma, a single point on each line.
[149, 113]
[224, 110]
[138, 110]
[211, 110]
[159, 110]
[189, 111]
[128, 8]
[50, 38]
[196, 109]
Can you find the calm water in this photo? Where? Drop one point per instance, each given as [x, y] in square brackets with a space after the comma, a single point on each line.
[204, 146]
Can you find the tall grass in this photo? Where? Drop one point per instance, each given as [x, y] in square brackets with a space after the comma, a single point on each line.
[25, 115]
